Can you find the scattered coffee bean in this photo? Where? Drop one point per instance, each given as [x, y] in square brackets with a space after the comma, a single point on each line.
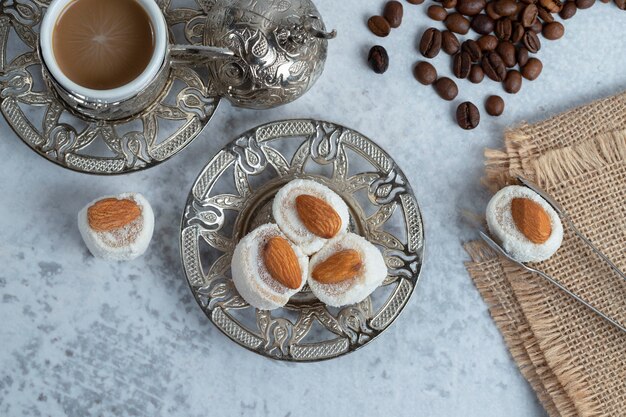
[457, 23]
[584, 4]
[449, 4]
[472, 49]
[529, 15]
[378, 59]
[393, 13]
[522, 56]
[415, 1]
[569, 10]
[494, 66]
[470, 7]
[425, 73]
[446, 88]
[487, 43]
[507, 52]
[513, 82]
[621, 4]
[476, 74]
[379, 26]
[537, 27]
[504, 29]
[545, 15]
[532, 42]
[430, 45]
[461, 65]
[450, 43]
[505, 7]
[483, 24]
[436, 12]
[467, 115]
[494, 105]
[491, 12]
[518, 32]
[532, 69]
[553, 6]
[553, 31]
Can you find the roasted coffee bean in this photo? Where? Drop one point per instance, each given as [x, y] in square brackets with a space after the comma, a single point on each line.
[457, 23]
[425, 73]
[483, 24]
[512, 82]
[584, 4]
[569, 10]
[449, 4]
[545, 15]
[415, 1]
[532, 42]
[472, 49]
[446, 88]
[518, 32]
[553, 6]
[470, 7]
[507, 51]
[491, 12]
[553, 31]
[437, 13]
[522, 56]
[450, 43]
[494, 105]
[621, 4]
[393, 13]
[537, 27]
[494, 66]
[529, 1]
[467, 115]
[378, 59]
[476, 74]
[504, 29]
[461, 65]
[532, 69]
[379, 26]
[487, 42]
[505, 7]
[529, 15]
[430, 43]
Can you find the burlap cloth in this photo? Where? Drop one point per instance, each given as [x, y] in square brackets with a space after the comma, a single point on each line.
[575, 361]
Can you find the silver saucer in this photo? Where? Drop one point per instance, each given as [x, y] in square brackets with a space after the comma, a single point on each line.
[233, 195]
[47, 125]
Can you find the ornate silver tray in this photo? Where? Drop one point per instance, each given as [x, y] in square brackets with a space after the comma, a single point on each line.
[48, 127]
[233, 194]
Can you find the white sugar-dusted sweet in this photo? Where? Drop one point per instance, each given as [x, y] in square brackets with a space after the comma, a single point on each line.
[503, 228]
[371, 275]
[250, 275]
[287, 218]
[113, 233]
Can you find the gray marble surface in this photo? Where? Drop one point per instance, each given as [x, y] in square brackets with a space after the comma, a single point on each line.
[83, 337]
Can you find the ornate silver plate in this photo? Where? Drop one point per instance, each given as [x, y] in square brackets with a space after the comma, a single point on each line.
[233, 195]
[48, 127]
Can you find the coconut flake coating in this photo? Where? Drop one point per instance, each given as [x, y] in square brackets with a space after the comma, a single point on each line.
[123, 244]
[502, 226]
[250, 275]
[353, 290]
[287, 218]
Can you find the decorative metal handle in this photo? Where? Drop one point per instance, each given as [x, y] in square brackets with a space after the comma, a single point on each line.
[308, 26]
[194, 54]
[493, 245]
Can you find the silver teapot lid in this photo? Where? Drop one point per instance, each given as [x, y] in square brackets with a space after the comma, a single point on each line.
[279, 49]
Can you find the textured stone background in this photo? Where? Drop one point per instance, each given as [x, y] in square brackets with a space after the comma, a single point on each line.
[82, 337]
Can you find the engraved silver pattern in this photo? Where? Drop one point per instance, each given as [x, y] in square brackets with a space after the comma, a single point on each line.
[305, 329]
[168, 125]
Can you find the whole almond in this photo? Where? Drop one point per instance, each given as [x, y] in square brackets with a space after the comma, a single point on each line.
[111, 213]
[531, 219]
[318, 216]
[282, 263]
[339, 267]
